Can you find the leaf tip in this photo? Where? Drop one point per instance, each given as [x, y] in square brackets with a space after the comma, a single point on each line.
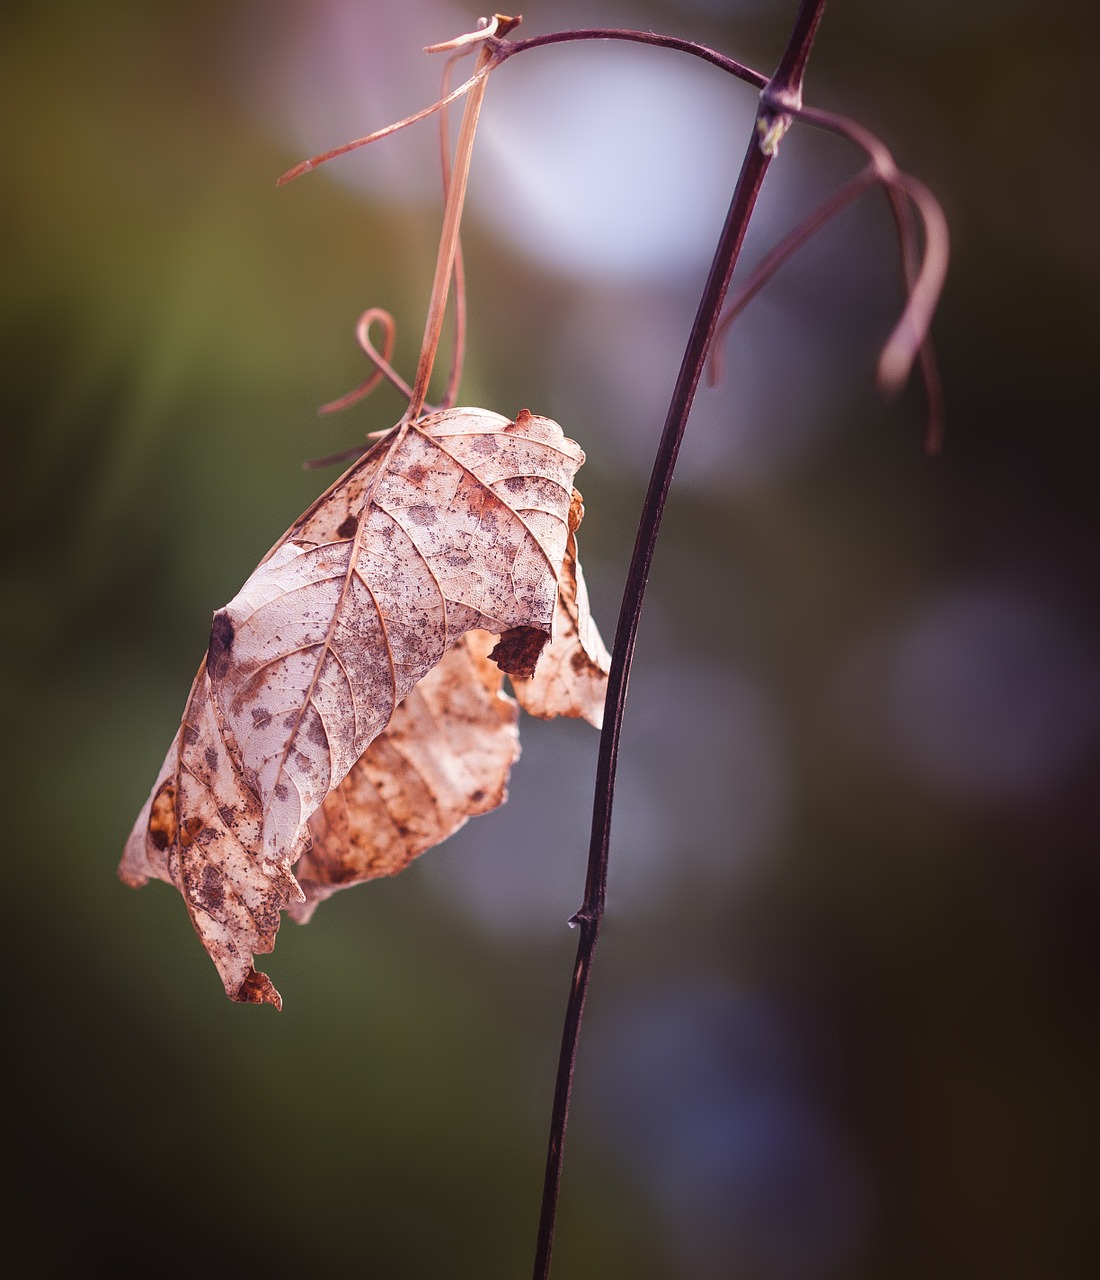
[299, 169]
[257, 988]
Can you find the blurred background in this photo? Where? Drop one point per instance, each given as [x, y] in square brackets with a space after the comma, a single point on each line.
[844, 1016]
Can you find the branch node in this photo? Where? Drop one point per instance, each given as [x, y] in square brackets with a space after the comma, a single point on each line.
[770, 130]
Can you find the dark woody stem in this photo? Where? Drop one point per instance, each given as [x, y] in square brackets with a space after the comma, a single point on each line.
[782, 90]
[504, 49]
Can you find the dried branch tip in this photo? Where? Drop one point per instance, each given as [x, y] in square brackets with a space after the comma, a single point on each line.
[487, 29]
[306, 166]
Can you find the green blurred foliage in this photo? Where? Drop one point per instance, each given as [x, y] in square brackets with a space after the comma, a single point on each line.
[170, 323]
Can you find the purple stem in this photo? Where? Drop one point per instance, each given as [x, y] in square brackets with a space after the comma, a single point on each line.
[783, 88]
[506, 48]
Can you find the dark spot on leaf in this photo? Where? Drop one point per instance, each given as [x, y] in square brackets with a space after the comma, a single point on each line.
[423, 513]
[261, 717]
[477, 796]
[211, 889]
[514, 484]
[347, 528]
[417, 474]
[221, 642]
[317, 732]
[281, 792]
[227, 815]
[211, 758]
[518, 650]
[190, 735]
[162, 817]
[190, 830]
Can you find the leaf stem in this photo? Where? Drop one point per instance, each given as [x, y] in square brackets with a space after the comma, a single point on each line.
[458, 348]
[448, 237]
[784, 88]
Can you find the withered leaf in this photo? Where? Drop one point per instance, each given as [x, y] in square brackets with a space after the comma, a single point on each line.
[461, 526]
[446, 754]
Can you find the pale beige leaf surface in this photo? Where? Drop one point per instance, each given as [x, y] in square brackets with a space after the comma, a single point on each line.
[571, 676]
[462, 526]
[446, 754]
[465, 528]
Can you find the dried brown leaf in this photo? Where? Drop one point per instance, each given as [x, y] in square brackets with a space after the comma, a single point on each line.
[460, 525]
[200, 830]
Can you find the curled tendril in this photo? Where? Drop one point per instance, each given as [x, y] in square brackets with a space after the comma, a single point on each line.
[382, 369]
[380, 360]
[922, 274]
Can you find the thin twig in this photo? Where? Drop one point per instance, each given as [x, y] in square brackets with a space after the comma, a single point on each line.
[314, 162]
[381, 360]
[458, 278]
[785, 249]
[448, 236]
[343, 455]
[590, 915]
[507, 48]
[909, 338]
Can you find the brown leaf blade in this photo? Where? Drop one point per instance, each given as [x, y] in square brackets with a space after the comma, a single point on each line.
[459, 524]
[199, 831]
[444, 757]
